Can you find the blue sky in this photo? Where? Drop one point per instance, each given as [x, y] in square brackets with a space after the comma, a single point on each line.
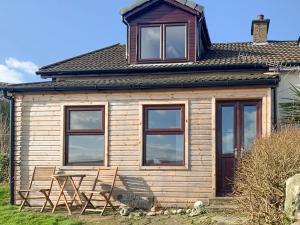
[35, 33]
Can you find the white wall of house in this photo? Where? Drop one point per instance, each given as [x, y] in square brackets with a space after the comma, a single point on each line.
[288, 78]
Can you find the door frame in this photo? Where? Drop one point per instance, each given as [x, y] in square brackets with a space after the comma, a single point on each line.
[238, 126]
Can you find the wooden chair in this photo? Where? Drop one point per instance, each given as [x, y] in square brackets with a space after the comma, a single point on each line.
[40, 174]
[103, 187]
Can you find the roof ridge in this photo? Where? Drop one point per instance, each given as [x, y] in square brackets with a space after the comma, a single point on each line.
[76, 57]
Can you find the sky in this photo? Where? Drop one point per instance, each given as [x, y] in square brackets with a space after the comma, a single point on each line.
[34, 33]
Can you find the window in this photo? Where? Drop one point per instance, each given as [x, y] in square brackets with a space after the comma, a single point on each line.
[163, 42]
[164, 135]
[84, 135]
[175, 42]
[150, 42]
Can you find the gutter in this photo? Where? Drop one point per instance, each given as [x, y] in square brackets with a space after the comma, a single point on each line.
[272, 82]
[11, 147]
[142, 68]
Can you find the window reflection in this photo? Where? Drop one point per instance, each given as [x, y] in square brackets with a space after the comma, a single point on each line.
[175, 42]
[164, 149]
[150, 43]
[164, 119]
[228, 130]
[86, 148]
[250, 125]
[85, 120]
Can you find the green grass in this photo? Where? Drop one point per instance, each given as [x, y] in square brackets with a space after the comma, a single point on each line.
[9, 215]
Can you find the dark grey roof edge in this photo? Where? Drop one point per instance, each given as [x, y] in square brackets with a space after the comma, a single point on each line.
[75, 57]
[189, 3]
[273, 82]
[181, 68]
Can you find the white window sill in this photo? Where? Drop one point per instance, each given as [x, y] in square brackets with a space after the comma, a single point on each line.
[164, 168]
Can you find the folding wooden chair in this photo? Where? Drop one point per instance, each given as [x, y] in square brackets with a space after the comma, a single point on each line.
[40, 174]
[103, 187]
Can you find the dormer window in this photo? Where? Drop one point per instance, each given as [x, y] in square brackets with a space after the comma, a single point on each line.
[163, 42]
[175, 47]
[150, 43]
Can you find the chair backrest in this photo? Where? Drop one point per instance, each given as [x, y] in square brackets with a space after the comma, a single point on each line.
[42, 174]
[105, 178]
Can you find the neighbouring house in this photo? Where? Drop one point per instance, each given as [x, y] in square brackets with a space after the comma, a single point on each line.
[171, 109]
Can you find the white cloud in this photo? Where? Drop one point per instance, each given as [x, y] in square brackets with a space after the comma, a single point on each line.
[16, 71]
[9, 75]
[23, 66]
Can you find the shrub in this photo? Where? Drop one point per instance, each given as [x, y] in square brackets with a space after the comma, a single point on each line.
[4, 167]
[262, 173]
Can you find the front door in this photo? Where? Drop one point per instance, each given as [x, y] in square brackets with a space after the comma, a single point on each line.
[238, 124]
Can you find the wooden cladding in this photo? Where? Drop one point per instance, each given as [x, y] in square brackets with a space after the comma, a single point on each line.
[162, 15]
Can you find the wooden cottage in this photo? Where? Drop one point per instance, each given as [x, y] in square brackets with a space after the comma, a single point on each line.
[172, 110]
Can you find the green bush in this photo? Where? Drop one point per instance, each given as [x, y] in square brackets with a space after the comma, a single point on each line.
[4, 167]
[262, 173]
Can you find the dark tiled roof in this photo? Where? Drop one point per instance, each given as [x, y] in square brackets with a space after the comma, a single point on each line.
[113, 59]
[2, 84]
[150, 81]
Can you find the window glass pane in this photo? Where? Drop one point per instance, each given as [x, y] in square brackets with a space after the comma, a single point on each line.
[250, 125]
[159, 119]
[175, 42]
[85, 120]
[86, 148]
[150, 43]
[228, 130]
[164, 149]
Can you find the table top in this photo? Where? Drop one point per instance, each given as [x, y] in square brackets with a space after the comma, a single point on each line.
[68, 175]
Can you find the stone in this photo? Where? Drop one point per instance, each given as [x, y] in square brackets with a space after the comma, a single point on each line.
[167, 212]
[188, 211]
[151, 214]
[160, 212]
[153, 209]
[292, 199]
[180, 211]
[197, 212]
[198, 204]
[296, 223]
[126, 211]
[174, 211]
[138, 214]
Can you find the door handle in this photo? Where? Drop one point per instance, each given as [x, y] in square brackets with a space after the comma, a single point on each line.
[235, 153]
[242, 151]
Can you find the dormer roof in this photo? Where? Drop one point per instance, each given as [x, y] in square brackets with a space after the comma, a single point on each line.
[140, 4]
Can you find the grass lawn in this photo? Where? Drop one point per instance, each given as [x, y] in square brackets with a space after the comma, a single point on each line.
[9, 215]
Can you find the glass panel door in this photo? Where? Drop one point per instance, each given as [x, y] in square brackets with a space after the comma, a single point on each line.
[238, 124]
[250, 125]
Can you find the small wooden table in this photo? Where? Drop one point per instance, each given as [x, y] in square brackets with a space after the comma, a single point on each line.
[62, 180]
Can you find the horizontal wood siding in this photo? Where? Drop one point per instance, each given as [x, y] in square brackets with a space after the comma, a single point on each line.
[39, 140]
[163, 13]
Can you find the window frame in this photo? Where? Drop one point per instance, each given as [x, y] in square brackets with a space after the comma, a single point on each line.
[165, 41]
[160, 43]
[163, 58]
[164, 131]
[82, 132]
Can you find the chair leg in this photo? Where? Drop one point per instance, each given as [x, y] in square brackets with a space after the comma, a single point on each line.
[87, 202]
[107, 201]
[25, 201]
[47, 199]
